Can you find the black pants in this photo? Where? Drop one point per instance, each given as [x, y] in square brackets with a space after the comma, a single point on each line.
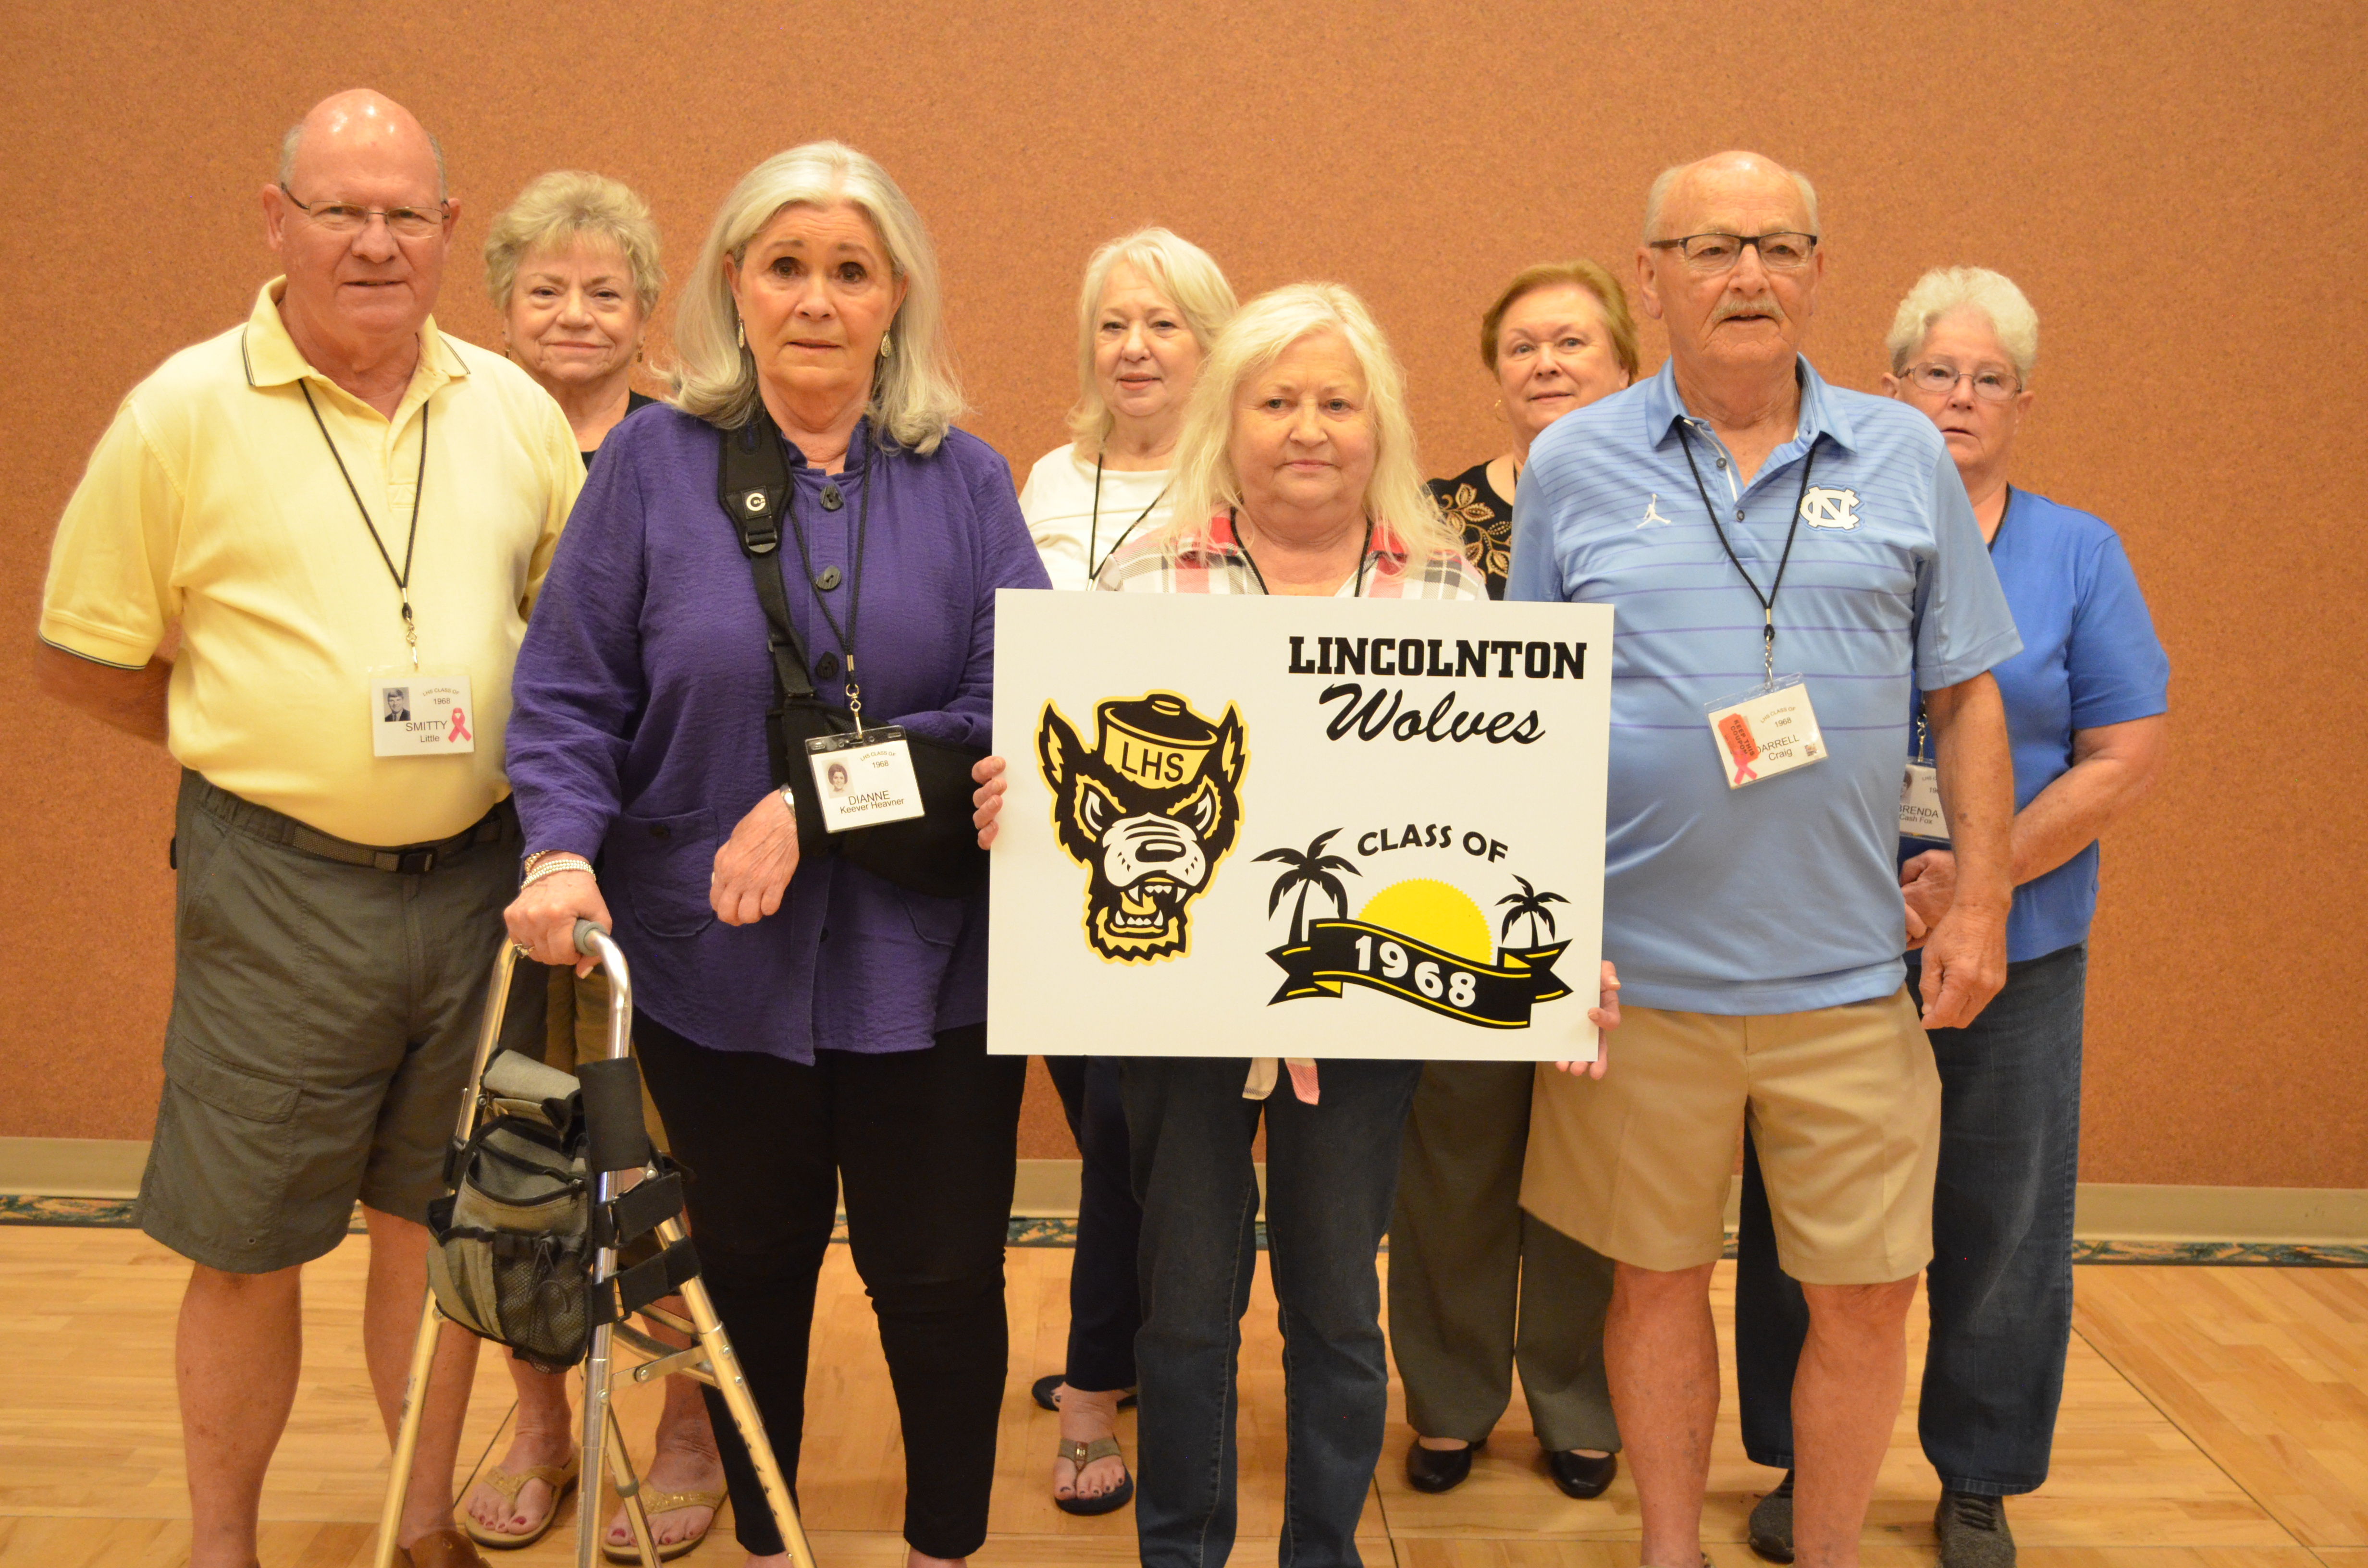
[926, 1144]
[1105, 1305]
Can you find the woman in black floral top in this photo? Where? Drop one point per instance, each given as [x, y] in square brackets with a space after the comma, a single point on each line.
[1557, 338]
[1478, 1287]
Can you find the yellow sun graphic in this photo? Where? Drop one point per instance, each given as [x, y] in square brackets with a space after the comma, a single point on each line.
[1432, 912]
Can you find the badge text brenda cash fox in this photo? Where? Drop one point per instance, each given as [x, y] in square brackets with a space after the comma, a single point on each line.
[1253, 826]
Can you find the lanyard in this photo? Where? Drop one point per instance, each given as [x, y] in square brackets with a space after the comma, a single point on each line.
[1364, 557]
[419, 491]
[1768, 599]
[1094, 530]
[1923, 743]
[845, 635]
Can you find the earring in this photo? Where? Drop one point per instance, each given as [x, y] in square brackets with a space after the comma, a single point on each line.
[740, 332]
[887, 345]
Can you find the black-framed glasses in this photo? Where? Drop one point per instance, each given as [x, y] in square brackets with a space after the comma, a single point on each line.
[1938, 378]
[1783, 250]
[343, 218]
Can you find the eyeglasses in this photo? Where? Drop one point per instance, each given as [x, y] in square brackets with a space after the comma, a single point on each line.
[343, 218]
[1782, 251]
[1938, 378]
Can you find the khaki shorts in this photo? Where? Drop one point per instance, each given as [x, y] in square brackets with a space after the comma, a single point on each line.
[1844, 1106]
[324, 1020]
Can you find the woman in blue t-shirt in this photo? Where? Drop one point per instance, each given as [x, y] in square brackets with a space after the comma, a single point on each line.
[2085, 703]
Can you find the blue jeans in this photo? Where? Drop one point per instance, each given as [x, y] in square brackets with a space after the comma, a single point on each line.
[1104, 1304]
[2000, 1287]
[1332, 1171]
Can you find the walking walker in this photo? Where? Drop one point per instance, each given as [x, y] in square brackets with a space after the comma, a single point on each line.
[522, 1259]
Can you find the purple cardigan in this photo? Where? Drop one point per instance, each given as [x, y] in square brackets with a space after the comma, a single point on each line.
[637, 733]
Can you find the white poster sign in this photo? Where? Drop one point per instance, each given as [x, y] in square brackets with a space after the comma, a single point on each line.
[1255, 826]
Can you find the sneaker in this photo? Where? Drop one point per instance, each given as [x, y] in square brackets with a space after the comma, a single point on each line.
[1771, 1523]
[1973, 1531]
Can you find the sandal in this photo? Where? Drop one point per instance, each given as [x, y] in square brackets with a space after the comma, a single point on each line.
[1080, 1455]
[657, 1503]
[560, 1478]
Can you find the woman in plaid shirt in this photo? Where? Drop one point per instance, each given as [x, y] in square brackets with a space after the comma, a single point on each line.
[1295, 473]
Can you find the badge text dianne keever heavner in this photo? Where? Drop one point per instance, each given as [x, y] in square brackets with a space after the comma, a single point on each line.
[1385, 713]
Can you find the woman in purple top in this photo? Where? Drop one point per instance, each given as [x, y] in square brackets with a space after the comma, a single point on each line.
[803, 1023]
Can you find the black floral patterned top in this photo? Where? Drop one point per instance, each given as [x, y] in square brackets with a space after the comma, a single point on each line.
[1470, 503]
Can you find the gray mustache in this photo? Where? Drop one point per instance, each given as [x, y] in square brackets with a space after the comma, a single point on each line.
[1731, 307]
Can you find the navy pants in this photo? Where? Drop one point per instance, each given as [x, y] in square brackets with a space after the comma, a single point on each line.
[2000, 1287]
[1332, 1171]
[1105, 1306]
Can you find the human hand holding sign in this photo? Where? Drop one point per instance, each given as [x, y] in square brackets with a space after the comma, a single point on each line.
[987, 774]
[754, 867]
[1605, 1017]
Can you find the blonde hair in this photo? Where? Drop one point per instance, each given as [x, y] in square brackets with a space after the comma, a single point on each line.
[1945, 291]
[1181, 271]
[566, 206]
[1206, 481]
[915, 396]
[1583, 274]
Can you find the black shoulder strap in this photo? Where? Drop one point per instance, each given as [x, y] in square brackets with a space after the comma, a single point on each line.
[752, 484]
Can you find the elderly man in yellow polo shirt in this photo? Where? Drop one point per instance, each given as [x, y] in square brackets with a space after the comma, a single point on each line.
[348, 513]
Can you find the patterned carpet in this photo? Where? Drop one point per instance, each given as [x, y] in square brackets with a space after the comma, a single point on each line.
[115, 1213]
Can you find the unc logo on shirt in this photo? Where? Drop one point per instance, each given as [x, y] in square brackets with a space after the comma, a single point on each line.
[1822, 506]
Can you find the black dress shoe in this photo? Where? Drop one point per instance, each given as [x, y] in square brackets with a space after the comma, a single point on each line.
[1439, 1470]
[1581, 1476]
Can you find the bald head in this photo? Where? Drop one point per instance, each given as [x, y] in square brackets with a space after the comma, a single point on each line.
[360, 120]
[1681, 193]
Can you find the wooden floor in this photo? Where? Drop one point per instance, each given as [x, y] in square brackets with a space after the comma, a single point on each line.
[2213, 1418]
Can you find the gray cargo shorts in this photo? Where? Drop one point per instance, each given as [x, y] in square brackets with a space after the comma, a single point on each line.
[324, 1016]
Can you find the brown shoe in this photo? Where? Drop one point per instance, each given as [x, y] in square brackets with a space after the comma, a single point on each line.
[446, 1548]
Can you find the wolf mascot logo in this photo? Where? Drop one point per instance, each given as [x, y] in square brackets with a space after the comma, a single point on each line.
[1149, 811]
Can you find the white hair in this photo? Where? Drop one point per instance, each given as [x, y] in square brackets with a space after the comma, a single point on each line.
[1664, 182]
[1945, 291]
[1176, 267]
[914, 396]
[1206, 480]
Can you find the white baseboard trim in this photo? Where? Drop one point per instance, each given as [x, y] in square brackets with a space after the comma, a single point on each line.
[1047, 1189]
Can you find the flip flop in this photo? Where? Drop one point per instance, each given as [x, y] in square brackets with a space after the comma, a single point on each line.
[657, 1503]
[1042, 1388]
[560, 1478]
[1080, 1455]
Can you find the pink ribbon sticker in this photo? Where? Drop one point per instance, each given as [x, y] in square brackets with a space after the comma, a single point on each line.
[460, 726]
[1736, 731]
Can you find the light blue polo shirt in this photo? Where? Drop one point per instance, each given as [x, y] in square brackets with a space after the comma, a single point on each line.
[2089, 658]
[1783, 895]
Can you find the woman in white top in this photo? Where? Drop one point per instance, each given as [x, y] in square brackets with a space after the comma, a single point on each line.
[1151, 305]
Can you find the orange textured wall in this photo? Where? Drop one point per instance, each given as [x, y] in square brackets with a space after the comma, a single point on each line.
[2176, 187]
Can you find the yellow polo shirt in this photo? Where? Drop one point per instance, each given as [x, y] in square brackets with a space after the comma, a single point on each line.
[213, 501]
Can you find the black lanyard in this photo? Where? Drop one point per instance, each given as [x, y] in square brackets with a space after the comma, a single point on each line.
[418, 489]
[1768, 599]
[1363, 558]
[1094, 530]
[845, 635]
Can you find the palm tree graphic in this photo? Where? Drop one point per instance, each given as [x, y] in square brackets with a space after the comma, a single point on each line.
[1528, 903]
[1309, 872]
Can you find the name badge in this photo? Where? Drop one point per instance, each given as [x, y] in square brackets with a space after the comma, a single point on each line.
[1767, 730]
[864, 778]
[1920, 815]
[421, 715]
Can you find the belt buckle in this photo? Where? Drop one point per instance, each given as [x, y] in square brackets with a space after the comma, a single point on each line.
[406, 862]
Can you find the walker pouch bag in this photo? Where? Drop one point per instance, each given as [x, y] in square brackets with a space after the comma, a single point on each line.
[937, 853]
[509, 1245]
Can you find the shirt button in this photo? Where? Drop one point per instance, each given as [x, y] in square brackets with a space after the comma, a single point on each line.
[1722, 462]
[831, 499]
[1738, 514]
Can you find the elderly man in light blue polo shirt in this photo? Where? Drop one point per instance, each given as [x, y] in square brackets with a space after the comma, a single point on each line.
[1786, 558]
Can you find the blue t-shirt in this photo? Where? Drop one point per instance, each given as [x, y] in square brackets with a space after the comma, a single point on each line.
[2089, 658]
[1783, 895]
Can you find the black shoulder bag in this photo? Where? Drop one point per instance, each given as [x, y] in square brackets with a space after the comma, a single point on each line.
[936, 853]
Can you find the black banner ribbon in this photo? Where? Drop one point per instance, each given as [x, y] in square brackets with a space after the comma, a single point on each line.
[1498, 995]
